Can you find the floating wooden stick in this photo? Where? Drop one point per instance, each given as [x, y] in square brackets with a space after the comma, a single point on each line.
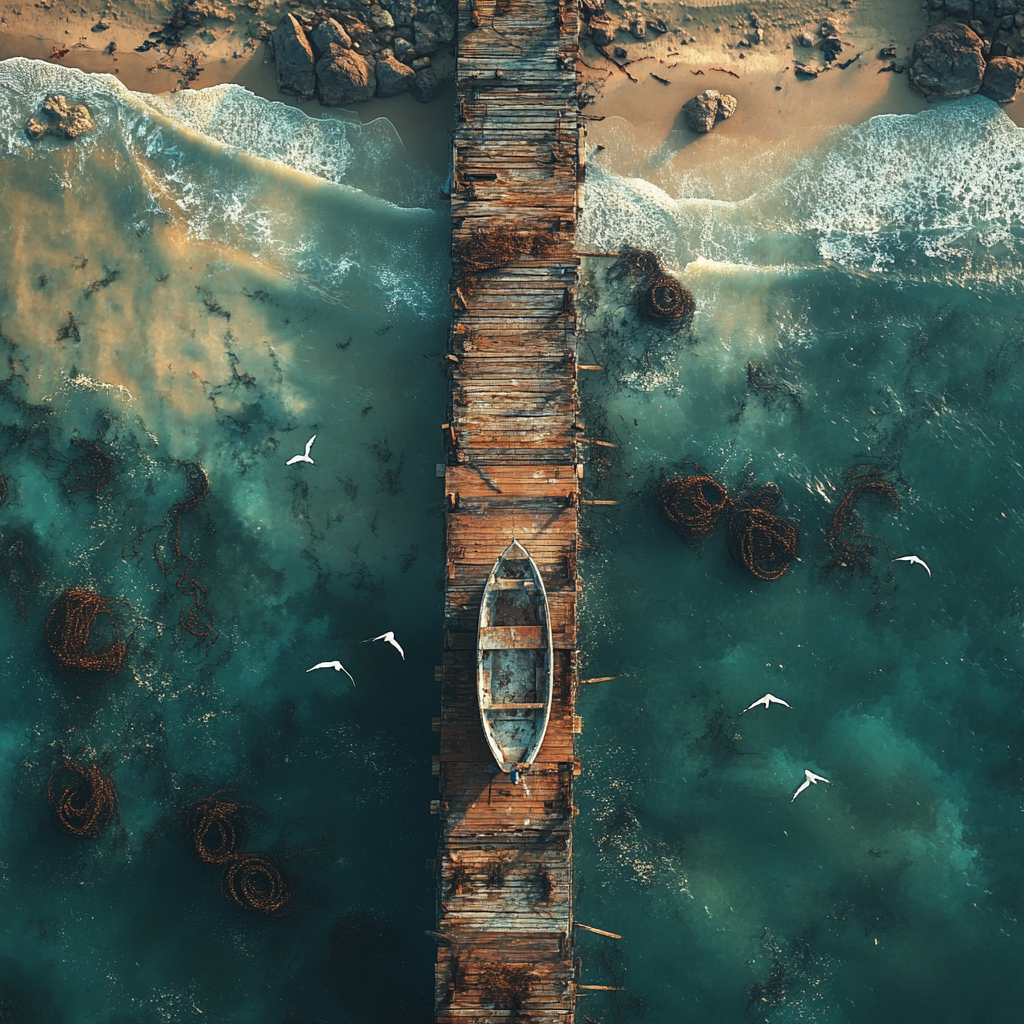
[603, 988]
[586, 927]
[583, 682]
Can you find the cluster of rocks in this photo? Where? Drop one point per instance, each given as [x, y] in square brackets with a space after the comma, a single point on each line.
[66, 120]
[601, 26]
[350, 54]
[998, 23]
[706, 109]
[949, 61]
[828, 39]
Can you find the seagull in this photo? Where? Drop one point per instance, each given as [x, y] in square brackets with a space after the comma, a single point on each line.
[912, 559]
[305, 457]
[811, 777]
[336, 665]
[390, 638]
[767, 700]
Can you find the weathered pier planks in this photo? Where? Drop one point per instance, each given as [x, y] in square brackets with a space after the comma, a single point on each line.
[504, 871]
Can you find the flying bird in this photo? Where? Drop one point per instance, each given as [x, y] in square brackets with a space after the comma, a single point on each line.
[389, 637]
[305, 457]
[811, 777]
[767, 700]
[336, 665]
[912, 559]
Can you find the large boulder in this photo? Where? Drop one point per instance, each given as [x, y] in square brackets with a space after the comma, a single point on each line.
[1003, 79]
[706, 109]
[67, 120]
[393, 77]
[947, 61]
[327, 32]
[425, 86]
[344, 77]
[294, 58]
[426, 38]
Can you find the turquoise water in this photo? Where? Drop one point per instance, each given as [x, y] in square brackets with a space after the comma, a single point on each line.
[211, 278]
[877, 284]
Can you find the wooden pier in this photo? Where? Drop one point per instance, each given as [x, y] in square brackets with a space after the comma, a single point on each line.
[504, 867]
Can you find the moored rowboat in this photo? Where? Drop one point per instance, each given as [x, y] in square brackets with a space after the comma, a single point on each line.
[514, 660]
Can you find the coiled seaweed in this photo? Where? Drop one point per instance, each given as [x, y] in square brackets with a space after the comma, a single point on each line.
[664, 300]
[847, 541]
[760, 541]
[69, 634]
[216, 828]
[255, 882]
[82, 797]
[694, 504]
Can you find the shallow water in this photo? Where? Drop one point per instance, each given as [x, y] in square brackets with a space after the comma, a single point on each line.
[211, 278]
[876, 286]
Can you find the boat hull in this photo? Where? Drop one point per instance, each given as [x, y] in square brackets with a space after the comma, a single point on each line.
[515, 664]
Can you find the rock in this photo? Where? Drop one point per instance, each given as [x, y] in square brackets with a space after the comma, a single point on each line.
[947, 61]
[195, 12]
[378, 18]
[443, 26]
[67, 120]
[402, 12]
[294, 58]
[831, 47]
[403, 47]
[960, 7]
[828, 28]
[425, 86]
[603, 30]
[1003, 79]
[419, 63]
[425, 36]
[804, 40]
[327, 32]
[359, 32]
[591, 8]
[343, 77]
[706, 109]
[620, 52]
[393, 77]
[638, 28]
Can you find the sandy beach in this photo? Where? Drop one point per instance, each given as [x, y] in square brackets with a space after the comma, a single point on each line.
[747, 50]
[776, 108]
[231, 47]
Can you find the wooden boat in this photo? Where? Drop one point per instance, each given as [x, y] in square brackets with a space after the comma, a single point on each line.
[514, 660]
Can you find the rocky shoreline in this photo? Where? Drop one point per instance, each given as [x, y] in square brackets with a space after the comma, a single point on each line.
[355, 51]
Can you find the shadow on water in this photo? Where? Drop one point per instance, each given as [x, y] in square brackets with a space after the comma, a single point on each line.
[369, 960]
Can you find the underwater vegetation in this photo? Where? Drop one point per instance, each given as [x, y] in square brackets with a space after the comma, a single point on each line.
[760, 541]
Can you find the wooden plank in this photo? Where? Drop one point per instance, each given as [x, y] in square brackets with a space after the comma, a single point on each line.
[510, 638]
